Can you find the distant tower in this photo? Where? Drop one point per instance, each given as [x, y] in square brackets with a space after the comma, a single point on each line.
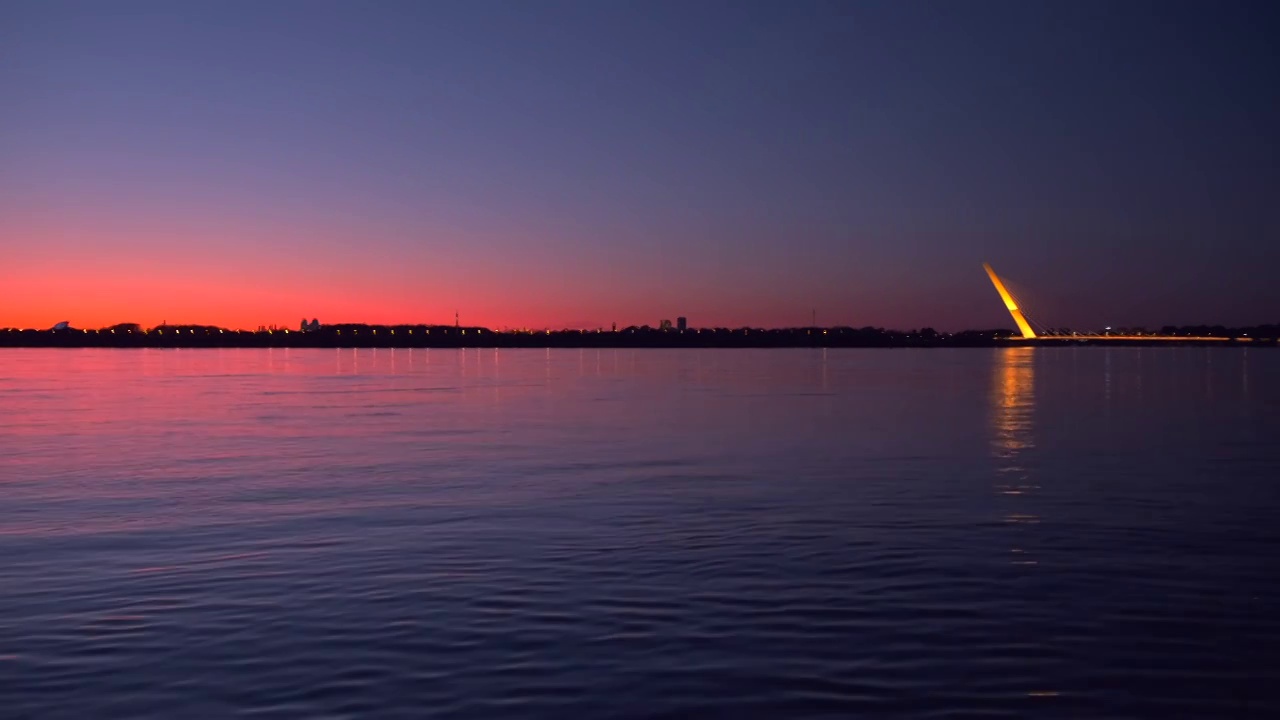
[455, 318]
[615, 327]
[304, 326]
[681, 324]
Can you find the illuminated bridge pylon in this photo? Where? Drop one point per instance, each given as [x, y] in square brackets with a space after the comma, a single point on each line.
[1011, 304]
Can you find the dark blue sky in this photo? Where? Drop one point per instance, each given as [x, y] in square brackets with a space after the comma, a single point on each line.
[577, 163]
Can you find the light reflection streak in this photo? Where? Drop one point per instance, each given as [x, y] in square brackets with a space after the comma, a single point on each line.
[1244, 372]
[1013, 410]
[1106, 379]
[1013, 403]
[1208, 375]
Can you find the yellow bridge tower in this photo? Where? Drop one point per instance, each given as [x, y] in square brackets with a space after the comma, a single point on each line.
[1009, 302]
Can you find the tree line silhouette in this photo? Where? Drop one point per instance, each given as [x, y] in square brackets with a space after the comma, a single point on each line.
[316, 335]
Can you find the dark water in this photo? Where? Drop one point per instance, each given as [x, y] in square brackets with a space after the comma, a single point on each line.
[1088, 533]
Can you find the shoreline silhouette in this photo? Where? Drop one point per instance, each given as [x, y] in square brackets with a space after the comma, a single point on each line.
[352, 335]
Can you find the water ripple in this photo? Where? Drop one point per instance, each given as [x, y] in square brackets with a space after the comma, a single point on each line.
[635, 534]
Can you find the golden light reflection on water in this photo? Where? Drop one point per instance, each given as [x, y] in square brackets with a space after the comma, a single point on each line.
[1013, 401]
[1013, 437]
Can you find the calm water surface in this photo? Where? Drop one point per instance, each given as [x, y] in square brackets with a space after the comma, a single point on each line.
[1076, 533]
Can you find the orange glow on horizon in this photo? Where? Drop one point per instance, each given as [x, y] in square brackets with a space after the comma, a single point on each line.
[91, 300]
[89, 296]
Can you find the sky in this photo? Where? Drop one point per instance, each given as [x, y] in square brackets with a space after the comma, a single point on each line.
[574, 164]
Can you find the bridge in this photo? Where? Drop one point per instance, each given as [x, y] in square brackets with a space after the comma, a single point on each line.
[1035, 332]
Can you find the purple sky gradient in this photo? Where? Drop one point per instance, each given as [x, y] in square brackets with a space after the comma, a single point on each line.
[580, 163]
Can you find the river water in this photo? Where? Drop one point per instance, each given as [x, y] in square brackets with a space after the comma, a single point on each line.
[1048, 532]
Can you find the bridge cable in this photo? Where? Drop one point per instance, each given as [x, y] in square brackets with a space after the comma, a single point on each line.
[1039, 327]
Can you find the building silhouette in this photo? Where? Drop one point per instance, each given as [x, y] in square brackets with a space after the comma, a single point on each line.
[682, 324]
